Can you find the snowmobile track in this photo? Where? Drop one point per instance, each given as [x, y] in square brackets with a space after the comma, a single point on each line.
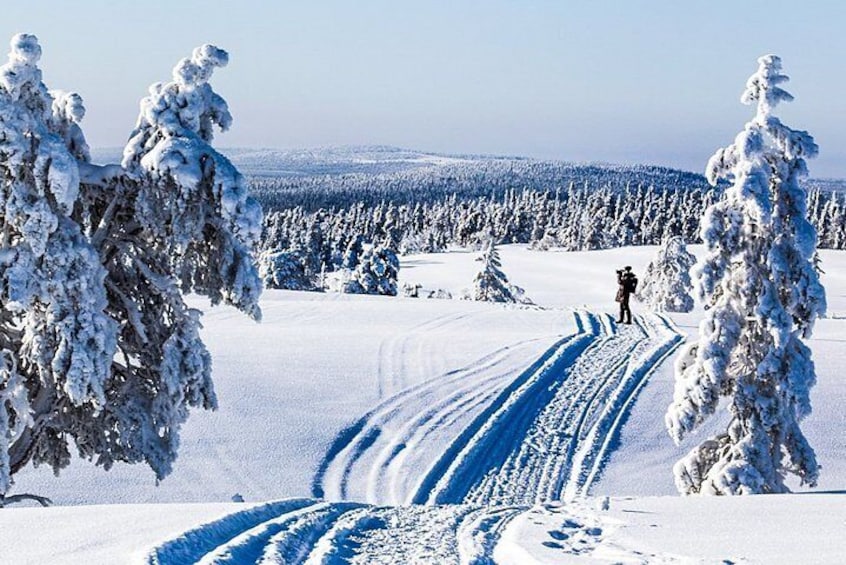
[370, 460]
[511, 442]
[565, 446]
[545, 435]
[315, 532]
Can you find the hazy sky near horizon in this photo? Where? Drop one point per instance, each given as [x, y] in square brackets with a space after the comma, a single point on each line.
[632, 81]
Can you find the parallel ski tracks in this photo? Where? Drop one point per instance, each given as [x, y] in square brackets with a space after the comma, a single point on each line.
[465, 453]
[316, 532]
[545, 435]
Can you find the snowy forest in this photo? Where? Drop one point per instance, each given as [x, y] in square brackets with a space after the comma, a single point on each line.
[589, 215]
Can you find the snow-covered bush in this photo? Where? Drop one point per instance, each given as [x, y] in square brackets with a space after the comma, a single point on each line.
[376, 272]
[763, 296]
[98, 349]
[440, 294]
[666, 285]
[283, 270]
[547, 241]
[491, 284]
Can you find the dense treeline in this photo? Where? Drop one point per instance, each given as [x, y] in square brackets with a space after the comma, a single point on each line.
[577, 218]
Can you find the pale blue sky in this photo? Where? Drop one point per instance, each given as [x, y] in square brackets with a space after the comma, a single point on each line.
[627, 81]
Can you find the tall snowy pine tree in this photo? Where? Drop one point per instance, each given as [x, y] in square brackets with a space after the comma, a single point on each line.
[98, 349]
[763, 296]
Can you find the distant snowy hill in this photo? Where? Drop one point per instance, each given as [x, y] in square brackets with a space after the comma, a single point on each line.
[340, 176]
[332, 160]
[340, 160]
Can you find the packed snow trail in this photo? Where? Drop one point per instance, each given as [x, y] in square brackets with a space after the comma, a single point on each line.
[473, 436]
[316, 532]
[574, 421]
[386, 456]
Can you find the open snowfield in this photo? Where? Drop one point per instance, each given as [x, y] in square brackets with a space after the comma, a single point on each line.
[392, 401]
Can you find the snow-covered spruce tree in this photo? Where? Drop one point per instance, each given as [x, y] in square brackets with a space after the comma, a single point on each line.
[283, 270]
[491, 284]
[353, 252]
[376, 273]
[98, 349]
[666, 284]
[763, 296]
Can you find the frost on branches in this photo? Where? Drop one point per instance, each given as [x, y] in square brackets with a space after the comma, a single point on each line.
[98, 350]
[666, 285]
[283, 270]
[491, 284]
[376, 272]
[763, 296]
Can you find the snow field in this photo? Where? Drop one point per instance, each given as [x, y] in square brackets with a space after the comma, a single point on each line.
[294, 390]
[287, 386]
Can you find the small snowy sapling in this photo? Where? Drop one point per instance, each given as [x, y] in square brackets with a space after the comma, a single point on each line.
[491, 284]
[666, 285]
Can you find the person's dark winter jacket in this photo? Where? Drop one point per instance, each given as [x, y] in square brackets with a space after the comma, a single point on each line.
[627, 282]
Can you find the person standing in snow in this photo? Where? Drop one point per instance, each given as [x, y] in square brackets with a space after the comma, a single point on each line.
[627, 282]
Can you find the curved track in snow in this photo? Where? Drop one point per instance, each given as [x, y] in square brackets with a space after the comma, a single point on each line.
[472, 451]
[566, 445]
[381, 457]
[313, 532]
[475, 436]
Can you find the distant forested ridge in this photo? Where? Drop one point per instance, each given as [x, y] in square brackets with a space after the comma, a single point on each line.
[317, 201]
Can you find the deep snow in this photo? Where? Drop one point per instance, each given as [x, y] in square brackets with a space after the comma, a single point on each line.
[318, 363]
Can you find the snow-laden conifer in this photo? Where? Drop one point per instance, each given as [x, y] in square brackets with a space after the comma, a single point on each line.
[283, 270]
[763, 295]
[98, 350]
[666, 284]
[490, 283]
[376, 272]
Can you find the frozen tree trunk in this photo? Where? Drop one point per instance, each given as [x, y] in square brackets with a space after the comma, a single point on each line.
[763, 295]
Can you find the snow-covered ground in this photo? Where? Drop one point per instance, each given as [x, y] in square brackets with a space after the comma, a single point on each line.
[400, 400]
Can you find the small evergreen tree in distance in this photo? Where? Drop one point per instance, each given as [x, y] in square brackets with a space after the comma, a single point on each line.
[376, 273]
[491, 284]
[283, 270]
[763, 296]
[666, 284]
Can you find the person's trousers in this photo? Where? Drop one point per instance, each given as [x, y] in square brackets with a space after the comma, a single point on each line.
[624, 310]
